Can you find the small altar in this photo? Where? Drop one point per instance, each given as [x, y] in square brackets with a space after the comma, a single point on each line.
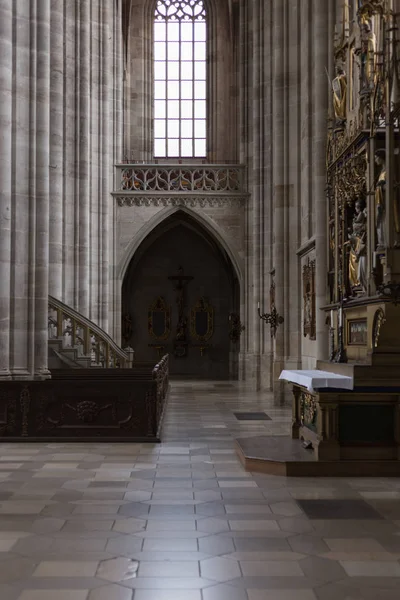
[345, 422]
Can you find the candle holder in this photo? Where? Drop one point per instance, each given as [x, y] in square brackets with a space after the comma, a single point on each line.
[341, 356]
[331, 344]
[273, 318]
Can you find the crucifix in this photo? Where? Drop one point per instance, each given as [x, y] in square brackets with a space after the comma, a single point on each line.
[180, 280]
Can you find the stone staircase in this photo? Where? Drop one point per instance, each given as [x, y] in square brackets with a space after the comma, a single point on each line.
[75, 342]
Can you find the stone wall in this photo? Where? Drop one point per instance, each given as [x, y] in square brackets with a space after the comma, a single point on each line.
[60, 123]
[76, 98]
[284, 103]
[134, 223]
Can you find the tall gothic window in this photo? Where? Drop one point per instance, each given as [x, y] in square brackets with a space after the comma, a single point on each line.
[180, 38]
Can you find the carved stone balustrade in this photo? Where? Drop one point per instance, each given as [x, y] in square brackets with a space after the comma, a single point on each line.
[166, 183]
[91, 345]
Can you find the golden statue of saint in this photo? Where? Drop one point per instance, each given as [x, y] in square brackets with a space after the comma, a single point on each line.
[357, 255]
[368, 56]
[339, 87]
[380, 204]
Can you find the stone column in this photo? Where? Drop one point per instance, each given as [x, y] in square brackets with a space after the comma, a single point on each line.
[83, 167]
[256, 222]
[279, 190]
[21, 331]
[42, 188]
[71, 131]
[95, 162]
[6, 32]
[106, 159]
[115, 155]
[267, 194]
[322, 39]
[56, 147]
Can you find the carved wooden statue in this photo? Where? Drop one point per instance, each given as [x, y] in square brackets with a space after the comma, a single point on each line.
[339, 87]
[357, 255]
[380, 204]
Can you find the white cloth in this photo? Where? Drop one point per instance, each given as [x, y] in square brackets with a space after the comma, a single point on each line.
[318, 379]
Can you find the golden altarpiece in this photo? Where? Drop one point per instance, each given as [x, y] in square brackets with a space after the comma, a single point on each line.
[357, 430]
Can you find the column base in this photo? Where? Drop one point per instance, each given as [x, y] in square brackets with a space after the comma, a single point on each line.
[42, 374]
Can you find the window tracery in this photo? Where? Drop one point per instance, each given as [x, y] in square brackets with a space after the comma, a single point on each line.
[180, 38]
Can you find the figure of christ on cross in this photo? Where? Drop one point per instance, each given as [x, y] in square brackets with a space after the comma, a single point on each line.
[180, 281]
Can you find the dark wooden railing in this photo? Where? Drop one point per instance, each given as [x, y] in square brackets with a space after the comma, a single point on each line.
[86, 405]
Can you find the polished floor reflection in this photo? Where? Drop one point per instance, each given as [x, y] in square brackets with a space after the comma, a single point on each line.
[183, 521]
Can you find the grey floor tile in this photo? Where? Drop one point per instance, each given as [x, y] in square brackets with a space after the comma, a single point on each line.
[250, 544]
[187, 508]
[224, 592]
[338, 509]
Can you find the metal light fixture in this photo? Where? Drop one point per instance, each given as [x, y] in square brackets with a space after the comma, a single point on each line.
[273, 318]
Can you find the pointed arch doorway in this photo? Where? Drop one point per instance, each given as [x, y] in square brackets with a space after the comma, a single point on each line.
[178, 293]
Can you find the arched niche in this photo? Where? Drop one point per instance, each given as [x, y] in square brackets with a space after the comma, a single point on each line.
[181, 244]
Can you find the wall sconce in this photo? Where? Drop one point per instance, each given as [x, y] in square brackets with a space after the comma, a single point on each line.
[273, 318]
[236, 327]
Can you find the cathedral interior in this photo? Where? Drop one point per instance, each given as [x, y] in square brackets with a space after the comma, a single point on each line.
[200, 300]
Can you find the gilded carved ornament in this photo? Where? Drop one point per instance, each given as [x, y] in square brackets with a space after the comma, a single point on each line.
[348, 180]
[308, 410]
[369, 8]
[379, 320]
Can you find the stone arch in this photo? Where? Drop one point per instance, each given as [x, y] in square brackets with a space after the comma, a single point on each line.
[203, 220]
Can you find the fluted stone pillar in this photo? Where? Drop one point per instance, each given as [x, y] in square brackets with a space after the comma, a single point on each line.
[256, 221]
[322, 39]
[6, 32]
[267, 195]
[41, 276]
[56, 147]
[116, 142]
[22, 302]
[95, 163]
[83, 204]
[279, 188]
[106, 160]
[71, 131]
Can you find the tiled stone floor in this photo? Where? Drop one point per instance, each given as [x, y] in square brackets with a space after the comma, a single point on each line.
[184, 521]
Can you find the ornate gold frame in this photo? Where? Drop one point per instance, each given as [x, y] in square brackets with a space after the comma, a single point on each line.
[159, 305]
[350, 322]
[202, 305]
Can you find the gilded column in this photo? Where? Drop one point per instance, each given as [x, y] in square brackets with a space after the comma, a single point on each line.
[6, 59]
[41, 275]
[322, 39]
[83, 204]
[56, 147]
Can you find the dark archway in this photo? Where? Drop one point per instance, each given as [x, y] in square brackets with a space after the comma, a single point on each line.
[180, 242]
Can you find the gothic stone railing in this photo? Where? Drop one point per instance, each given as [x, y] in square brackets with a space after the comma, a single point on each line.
[76, 331]
[205, 178]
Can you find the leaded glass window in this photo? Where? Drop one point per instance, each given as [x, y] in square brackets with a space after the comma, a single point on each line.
[180, 38]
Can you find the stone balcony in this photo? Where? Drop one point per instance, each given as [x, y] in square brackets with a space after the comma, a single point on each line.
[139, 184]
